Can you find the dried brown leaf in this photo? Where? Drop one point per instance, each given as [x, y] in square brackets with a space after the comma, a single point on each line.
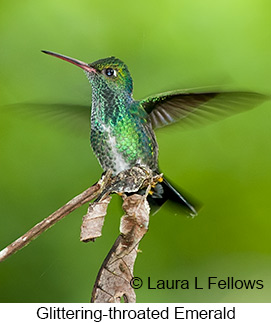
[93, 221]
[113, 280]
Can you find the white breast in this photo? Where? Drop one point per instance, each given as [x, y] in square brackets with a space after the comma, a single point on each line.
[120, 163]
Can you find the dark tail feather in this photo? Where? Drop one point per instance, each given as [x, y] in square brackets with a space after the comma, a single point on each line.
[165, 191]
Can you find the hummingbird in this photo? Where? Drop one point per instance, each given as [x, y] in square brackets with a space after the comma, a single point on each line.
[122, 128]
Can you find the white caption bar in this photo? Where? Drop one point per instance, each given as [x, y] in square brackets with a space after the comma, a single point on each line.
[153, 312]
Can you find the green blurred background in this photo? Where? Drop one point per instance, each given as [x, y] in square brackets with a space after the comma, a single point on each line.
[226, 165]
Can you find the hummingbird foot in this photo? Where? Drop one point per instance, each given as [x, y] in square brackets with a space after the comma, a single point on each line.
[157, 179]
[131, 180]
[155, 190]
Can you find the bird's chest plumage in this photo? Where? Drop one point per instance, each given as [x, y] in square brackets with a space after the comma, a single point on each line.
[121, 139]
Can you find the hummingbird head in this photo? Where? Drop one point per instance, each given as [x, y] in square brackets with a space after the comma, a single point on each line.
[107, 73]
[112, 73]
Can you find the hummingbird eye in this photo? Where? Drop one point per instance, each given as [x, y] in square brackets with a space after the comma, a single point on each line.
[110, 72]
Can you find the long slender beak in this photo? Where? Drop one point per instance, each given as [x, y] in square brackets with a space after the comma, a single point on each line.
[74, 61]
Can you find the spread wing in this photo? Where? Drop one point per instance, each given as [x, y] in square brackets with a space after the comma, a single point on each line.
[74, 117]
[170, 107]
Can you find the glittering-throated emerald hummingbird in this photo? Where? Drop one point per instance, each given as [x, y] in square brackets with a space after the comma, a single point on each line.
[122, 129]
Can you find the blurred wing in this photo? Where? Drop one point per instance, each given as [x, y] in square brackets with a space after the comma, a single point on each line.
[170, 107]
[72, 116]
